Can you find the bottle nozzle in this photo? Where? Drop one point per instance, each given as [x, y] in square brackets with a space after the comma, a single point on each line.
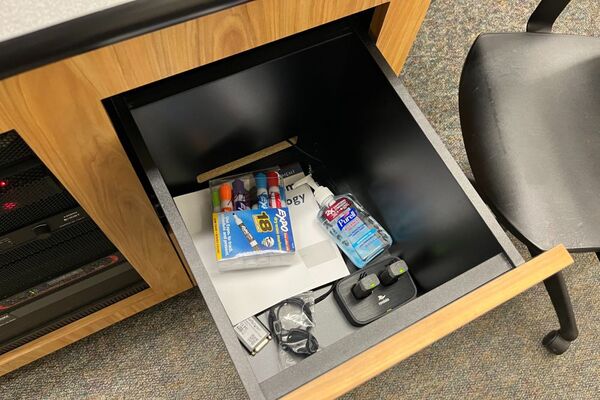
[307, 180]
[322, 194]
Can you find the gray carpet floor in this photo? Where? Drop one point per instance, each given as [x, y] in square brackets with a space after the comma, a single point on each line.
[173, 350]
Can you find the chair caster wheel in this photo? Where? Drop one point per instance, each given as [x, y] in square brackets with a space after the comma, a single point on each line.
[555, 343]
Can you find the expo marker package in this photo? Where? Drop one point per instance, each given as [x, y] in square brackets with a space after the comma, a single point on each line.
[251, 222]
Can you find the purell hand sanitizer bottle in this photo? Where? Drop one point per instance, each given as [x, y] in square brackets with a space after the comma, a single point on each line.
[347, 222]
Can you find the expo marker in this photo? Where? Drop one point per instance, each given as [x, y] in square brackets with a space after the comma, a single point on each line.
[216, 201]
[240, 196]
[273, 184]
[262, 195]
[225, 194]
[246, 232]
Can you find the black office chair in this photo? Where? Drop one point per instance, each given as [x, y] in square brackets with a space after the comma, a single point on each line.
[530, 115]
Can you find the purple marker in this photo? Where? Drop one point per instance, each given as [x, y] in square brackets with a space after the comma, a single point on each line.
[240, 196]
[262, 194]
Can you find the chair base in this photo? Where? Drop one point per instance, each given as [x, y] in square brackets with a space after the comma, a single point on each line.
[558, 341]
[555, 343]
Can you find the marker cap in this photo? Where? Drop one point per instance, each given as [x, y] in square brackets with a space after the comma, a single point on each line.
[238, 186]
[216, 201]
[261, 180]
[225, 191]
[272, 179]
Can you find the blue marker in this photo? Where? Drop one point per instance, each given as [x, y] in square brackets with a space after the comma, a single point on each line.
[262, 194]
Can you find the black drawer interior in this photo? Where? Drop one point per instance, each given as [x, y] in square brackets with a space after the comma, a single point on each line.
[329, 88]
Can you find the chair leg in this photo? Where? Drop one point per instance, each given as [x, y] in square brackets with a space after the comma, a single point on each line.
[558, 341]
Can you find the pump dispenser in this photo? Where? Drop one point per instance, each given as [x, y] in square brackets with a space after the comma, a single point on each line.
[322, 193]
[354, 230]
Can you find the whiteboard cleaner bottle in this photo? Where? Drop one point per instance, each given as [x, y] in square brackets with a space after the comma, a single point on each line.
[354, 230]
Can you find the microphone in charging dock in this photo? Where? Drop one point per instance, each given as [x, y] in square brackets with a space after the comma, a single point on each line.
[374, 291]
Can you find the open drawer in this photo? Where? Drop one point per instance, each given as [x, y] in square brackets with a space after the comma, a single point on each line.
[332, 89]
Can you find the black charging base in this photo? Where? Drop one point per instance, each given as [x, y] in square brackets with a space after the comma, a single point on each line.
[383, 299]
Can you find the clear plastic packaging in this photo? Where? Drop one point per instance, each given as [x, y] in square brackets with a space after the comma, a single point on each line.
[251, 222]
[292, 324]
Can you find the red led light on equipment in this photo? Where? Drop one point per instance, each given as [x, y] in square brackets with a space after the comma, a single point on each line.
[9, 206]
[3, 184]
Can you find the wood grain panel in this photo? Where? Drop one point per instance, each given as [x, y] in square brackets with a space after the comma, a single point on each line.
[161, 54]
[432, 328]
[71, 133]
[396, 26]
[78, 330]
[248, 159]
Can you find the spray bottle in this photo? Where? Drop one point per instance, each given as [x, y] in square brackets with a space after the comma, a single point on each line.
[353, 229]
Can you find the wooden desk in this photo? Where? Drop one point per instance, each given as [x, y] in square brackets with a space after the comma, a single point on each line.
[57, 109]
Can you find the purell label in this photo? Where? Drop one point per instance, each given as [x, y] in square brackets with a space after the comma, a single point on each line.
[346, 219]
[336, 209]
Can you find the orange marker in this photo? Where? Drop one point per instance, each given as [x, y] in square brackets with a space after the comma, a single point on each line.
[226, 194]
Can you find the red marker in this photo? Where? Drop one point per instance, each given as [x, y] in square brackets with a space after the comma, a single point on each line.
[273, 185]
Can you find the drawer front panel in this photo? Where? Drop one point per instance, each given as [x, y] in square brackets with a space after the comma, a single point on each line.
[429, 330]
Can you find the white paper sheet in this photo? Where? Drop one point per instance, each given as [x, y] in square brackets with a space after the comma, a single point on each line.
[248, 292]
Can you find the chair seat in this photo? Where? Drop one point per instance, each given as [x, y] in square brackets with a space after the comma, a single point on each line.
[530, 115]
